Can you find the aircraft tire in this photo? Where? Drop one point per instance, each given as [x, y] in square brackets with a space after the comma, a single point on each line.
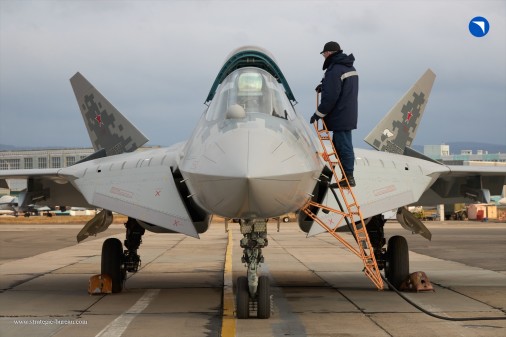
[397, 269]
[112, 258]
[264, 298]
[242, 298]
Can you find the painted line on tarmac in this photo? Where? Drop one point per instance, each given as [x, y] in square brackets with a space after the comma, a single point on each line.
[228, 320]
[117, 327]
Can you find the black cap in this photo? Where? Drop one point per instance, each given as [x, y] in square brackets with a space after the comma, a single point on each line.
[331, 46]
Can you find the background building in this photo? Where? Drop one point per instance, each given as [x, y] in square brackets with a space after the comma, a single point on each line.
[38, 159]
[41, 159]
[466, 157]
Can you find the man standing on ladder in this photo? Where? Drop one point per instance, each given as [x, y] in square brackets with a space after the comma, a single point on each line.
[339, 104]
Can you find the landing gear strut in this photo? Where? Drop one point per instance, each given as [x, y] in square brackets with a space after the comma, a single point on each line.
[116, 262]
[134, 233]
[253, 290]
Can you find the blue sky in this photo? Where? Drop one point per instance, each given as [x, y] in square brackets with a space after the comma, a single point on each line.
[156, 61]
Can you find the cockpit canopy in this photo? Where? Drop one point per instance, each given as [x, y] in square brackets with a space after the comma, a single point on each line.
[249, 91]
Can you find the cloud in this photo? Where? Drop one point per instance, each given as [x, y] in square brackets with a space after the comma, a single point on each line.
[156, 61]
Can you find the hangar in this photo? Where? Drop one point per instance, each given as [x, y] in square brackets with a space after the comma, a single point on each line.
[39, 159]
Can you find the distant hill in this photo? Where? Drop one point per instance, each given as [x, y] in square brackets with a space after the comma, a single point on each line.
[4, 147]
[457, 147]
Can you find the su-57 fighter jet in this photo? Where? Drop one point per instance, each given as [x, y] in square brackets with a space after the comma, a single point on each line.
[251, 157]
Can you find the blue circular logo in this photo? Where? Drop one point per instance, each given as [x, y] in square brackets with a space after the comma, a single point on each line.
[479, 26]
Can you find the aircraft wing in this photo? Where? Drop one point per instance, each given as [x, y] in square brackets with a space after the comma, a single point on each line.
[462, 183]
[44, 187]
[139, 185]
[384, 183]
[493, 172]
[28, 173]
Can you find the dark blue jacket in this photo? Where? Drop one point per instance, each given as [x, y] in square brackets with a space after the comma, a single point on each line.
[339, 93]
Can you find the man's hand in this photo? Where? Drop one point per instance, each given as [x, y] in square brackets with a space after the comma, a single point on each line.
[318, 88]
[314, 118]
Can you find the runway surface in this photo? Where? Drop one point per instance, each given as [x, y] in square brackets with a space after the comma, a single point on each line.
[317, 285]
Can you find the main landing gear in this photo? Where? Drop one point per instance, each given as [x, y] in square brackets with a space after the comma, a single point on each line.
[116, 262]
[394, 259]
[253, 291]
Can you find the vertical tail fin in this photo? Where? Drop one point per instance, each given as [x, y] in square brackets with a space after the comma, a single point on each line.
[397, 129]
[107, 127]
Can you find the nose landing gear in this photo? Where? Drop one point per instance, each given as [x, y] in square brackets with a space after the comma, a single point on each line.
[253, 292]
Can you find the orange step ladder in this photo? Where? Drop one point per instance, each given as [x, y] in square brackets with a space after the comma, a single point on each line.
[349, 212]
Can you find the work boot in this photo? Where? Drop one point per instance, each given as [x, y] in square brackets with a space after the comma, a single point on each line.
[351, 181]
[342, 183]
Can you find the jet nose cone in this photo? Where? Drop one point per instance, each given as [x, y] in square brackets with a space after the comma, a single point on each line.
[255, 172]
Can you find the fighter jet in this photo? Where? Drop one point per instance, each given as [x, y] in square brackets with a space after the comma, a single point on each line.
[8, 205]
[251, 157]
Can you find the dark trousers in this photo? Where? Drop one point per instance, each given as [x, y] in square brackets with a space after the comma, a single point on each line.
[344, 147]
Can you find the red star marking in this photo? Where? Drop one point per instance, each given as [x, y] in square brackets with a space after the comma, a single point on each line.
[99, 120]
[157, 193]
[408, 117]
[176, 223]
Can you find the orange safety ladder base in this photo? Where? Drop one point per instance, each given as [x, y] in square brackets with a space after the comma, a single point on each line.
[349, 212]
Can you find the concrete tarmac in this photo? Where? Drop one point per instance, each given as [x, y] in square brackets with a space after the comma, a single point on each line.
[318, 287]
